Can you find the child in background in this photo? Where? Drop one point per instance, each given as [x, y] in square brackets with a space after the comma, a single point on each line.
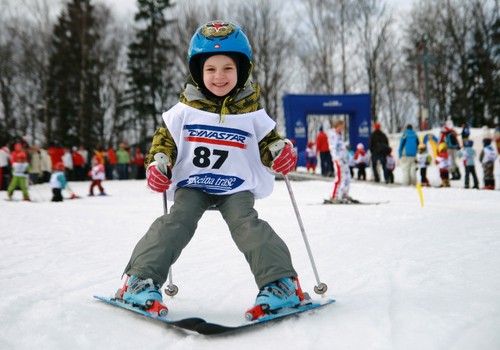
[97, 174]
[487, 157]
[423, 160]
[468, 155]
[20, 173]
[350, 160]
[58, 182]
[361, 160]
[444, 163]
[390, 165]
[311, 157]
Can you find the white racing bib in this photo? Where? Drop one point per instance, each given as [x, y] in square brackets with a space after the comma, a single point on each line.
[219, 157]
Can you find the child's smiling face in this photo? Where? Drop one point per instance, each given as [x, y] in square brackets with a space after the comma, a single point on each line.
[220, 75]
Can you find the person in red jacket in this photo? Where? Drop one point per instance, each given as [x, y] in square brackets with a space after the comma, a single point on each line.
[111, 163]
[323, 148]
[78, 165]
[56, 153]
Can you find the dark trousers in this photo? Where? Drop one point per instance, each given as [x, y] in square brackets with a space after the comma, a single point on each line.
[382, 159]
[57, 195]
[326, 163]
[470, 170]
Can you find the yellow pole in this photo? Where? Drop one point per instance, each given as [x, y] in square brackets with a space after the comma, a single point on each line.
[420, 194]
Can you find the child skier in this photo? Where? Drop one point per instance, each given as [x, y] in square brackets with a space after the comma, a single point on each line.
[361, 160]
[216, 149]
[20, 173]
[58, 182]
[468, 155]
[97, 174]
[423, 160]
[444, 163]
[338, 149]
[311, 157]
[390, 165]
[487, 157]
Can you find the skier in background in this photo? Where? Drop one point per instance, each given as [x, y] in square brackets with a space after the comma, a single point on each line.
[423, 160]
[311, 159]
[20, 173]
[97, 174]
[201, 171]
[342, 182]
[58, 182]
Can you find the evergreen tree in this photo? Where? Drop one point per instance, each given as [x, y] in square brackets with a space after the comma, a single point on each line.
[149, 64]
[72, 91]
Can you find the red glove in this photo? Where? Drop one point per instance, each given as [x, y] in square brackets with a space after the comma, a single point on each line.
[159, 173]
[286, 160]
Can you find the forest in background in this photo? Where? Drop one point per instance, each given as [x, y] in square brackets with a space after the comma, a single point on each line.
[78, 74]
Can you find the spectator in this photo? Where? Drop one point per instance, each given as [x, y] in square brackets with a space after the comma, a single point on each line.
[111, 163]
[379, 149]
[361, 159]
[56, 153]
[450, 138]
[325, 157]
[390, 165]
[407, 152]
[468, 155]
[78, 165]
[487, 157]
[35, 161]
[4, 167]
[123, 161]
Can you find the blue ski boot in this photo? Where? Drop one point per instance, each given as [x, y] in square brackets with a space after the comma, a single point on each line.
[283, 293]
[143, 293]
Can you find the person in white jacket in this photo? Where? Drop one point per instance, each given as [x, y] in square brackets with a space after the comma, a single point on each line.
[338, 150]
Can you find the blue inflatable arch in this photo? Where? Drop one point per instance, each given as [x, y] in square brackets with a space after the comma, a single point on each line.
[298, 107]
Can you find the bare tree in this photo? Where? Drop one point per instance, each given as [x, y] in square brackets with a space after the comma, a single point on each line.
[317, 53]
[272, 47]
[374, 25]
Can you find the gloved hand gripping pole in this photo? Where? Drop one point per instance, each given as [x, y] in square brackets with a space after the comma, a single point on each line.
[321, 288]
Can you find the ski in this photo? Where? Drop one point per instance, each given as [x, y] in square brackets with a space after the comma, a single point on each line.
[185, 323]
[209, 328]
[352, 202]
[201, 326]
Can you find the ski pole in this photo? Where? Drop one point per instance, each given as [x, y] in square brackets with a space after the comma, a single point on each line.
[171, 289]
[321, 288]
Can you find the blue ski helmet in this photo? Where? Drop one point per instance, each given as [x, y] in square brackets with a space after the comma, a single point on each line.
[220, 37]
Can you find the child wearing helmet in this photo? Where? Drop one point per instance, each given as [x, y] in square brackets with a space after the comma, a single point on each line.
[311, 159]
[361, 160]
[423, 160]
[487, 158]
[217, 149]
[20, 173]
[444, 164]
[468, 155]
[58, 182]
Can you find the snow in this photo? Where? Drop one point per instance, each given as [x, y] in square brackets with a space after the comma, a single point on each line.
[404, 276]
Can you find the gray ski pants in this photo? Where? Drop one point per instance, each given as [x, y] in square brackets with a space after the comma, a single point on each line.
[265, 252]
